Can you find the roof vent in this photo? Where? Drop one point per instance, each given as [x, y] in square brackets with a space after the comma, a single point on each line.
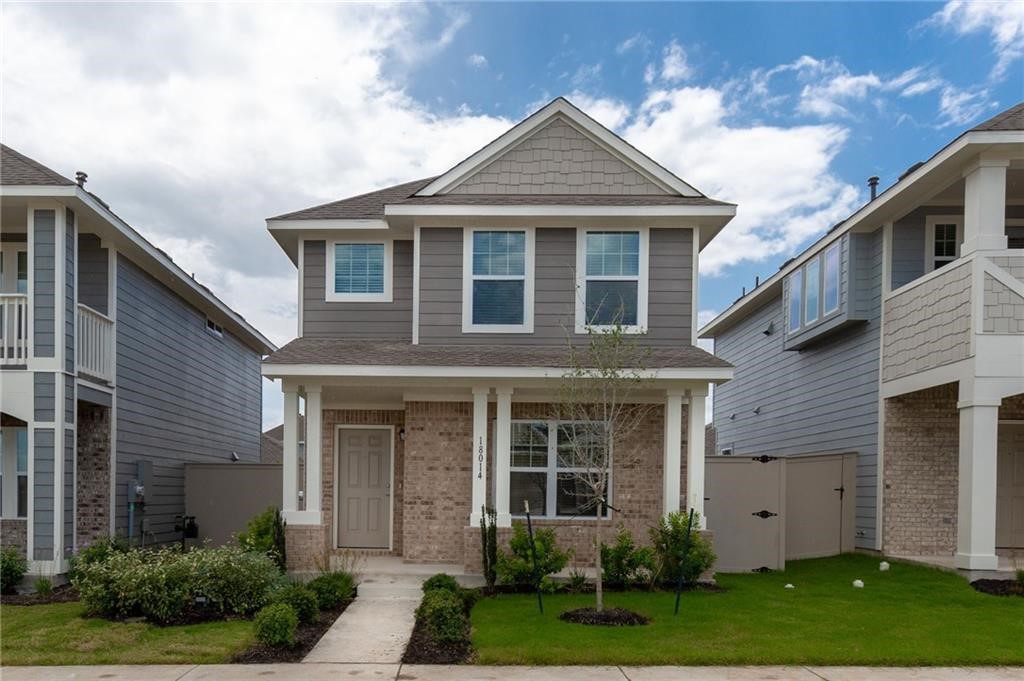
[910, 170]
[80, 178]
[873, 183]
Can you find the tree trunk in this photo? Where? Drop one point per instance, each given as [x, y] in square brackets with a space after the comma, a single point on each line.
[598, 581]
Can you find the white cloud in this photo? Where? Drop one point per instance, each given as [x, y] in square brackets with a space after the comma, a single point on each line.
[1002, 20]
[635, 41]
[959, 107]
[586, 74]
[674, 64]
[922, 87]
[609, 112]
[478, 61]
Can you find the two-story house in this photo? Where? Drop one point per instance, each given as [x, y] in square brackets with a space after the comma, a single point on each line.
[899, 335]
[116, 368]
[435, 320]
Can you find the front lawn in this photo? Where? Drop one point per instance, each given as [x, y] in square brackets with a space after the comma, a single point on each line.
[58, 634]
[910, 615]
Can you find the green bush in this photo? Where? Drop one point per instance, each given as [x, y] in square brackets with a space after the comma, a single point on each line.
[275, 625]
[443, 582]
[264, 534]
[517, 567]
[669, 538]
[1020, 576]
[43, 586]
[12, 568]
[98, 551]
[444, 614]
[232, 581]
[578, 582]
[332, 589]
[624, 563]
[301, 598]
[489, 545]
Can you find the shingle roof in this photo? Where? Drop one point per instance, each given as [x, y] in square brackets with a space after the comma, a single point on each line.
[1011, 119]
[18, 169]
[389, 353]
[363, 207]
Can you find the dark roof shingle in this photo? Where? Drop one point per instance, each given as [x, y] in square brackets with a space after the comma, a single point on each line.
[1011, 119]
[367, 206]
[18, 169]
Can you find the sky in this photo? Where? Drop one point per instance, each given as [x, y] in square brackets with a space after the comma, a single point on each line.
[196, 122]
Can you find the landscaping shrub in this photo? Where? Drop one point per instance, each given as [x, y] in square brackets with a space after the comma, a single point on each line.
[1020, 576]
[578, 582]
[669, 538]
[332, 589]
[98, 551]
[264, 534]
[624, 563]
[12, 568]
[275, 625]
[489, 545]
[444, 614]
[43, 586]
[517, 567]
[301, 598]
[232, 581]
[443, 582]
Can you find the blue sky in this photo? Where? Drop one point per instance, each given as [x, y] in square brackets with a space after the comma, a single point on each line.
[198, 121]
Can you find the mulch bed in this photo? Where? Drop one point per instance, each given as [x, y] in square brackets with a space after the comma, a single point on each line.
[307, 636]
[999, 587]
[65, 593]
[609, 617]
[423, 649]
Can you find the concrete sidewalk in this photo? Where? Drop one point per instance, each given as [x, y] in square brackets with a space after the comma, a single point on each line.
[400, 672]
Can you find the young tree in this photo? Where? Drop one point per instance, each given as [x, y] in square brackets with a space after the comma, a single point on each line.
[599, 411]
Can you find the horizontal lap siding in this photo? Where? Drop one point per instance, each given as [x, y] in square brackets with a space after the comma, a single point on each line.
[670, 282]
[44, 292]
[42, 493]
[821, 399]
[183, 395]
[44, 391]
[69, 291]
[320, 318]
[69, 492]
[93, 273]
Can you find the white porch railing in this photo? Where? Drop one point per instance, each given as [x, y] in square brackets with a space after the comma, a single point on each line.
[95, 343]
[13, 328]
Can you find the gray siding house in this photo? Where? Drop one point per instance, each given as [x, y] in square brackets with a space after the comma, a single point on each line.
[434, 330]
[116, 368]
[899, 335]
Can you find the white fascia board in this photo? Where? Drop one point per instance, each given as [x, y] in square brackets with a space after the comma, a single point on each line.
[302, 225]
[271, 370]
[537, 120]
[14, 190]
[869, 210]
[557, 211]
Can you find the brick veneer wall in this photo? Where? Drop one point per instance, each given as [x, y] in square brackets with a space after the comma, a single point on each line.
[92, 495]
[14, 532]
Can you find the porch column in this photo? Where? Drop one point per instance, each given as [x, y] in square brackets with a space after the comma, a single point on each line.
[503, 457]
[976, 502]
[673, 458]
[314, 443]
[985, 206]
[479, 454]
[695, 454]
[290, 453]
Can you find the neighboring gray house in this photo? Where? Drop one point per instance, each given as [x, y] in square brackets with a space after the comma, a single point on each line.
[900, 335]
[116, 368]
[434, 319]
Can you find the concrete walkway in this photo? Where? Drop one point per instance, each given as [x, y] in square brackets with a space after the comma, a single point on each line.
[397, 672]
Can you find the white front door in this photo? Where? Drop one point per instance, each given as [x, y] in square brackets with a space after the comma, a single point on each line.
[364, 487]
[1010, 487]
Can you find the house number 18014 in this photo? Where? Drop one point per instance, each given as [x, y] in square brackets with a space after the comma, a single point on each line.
[480, 459]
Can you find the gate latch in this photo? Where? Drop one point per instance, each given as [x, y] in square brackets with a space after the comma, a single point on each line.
[764, 513]
[839, 489]
[764, 458]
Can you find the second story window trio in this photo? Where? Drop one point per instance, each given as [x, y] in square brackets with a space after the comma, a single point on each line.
[814, 289]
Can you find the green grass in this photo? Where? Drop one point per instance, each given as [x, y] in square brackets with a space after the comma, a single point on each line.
[910, 615]
[58, 634]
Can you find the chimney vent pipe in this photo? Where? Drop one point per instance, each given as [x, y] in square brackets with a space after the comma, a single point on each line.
[873, 183]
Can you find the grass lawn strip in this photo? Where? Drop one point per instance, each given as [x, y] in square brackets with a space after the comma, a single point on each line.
[910, 615]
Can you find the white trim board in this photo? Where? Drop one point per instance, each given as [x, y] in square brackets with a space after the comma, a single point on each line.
[556, 210]
[455, 372]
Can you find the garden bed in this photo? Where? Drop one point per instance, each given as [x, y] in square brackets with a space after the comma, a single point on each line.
[306, 638]
[424, 649]
[65, 593]
[999, 587]
[609, 617]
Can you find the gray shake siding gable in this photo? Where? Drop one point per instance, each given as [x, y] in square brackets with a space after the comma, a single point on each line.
[183, 394]
[825, 393]
[670, 282]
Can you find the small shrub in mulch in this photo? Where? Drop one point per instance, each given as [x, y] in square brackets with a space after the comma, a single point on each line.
[999, 587]
[307, 636]
[609, 617]
[65, 593]
[424, 648]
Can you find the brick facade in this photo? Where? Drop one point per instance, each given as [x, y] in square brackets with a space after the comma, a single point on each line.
[14, 532]
[92, 496]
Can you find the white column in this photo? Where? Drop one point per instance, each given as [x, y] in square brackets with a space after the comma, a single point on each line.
[503, 456]
[985, 206]
[673, 459]
[290, 454]
[976, 502]
[314, 443]
[479, 454]
[695, 454]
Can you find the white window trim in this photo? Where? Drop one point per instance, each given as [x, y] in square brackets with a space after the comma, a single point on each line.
[837, 247]
[468, 278]
[551, 471]
[929, 237]
[386, 296]
[799, 277]
[642, 279]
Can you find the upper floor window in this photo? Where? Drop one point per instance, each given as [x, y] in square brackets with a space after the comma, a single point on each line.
[359, 271]
[14, 270]
[612, 280]
[814, 289]
[943, 235]
[498, 291]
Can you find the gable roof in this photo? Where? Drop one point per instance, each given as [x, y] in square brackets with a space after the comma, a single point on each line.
[20, 170]
[1011, 119]
[367, 206]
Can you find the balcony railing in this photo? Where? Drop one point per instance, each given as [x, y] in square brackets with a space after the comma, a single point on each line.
[13, 328]
[95, 343]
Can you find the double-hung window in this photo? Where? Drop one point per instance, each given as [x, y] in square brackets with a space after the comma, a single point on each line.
[498, 281]
[554, 468]
[612, 280]
[359, 271]
[14, 472]
[943, 235]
